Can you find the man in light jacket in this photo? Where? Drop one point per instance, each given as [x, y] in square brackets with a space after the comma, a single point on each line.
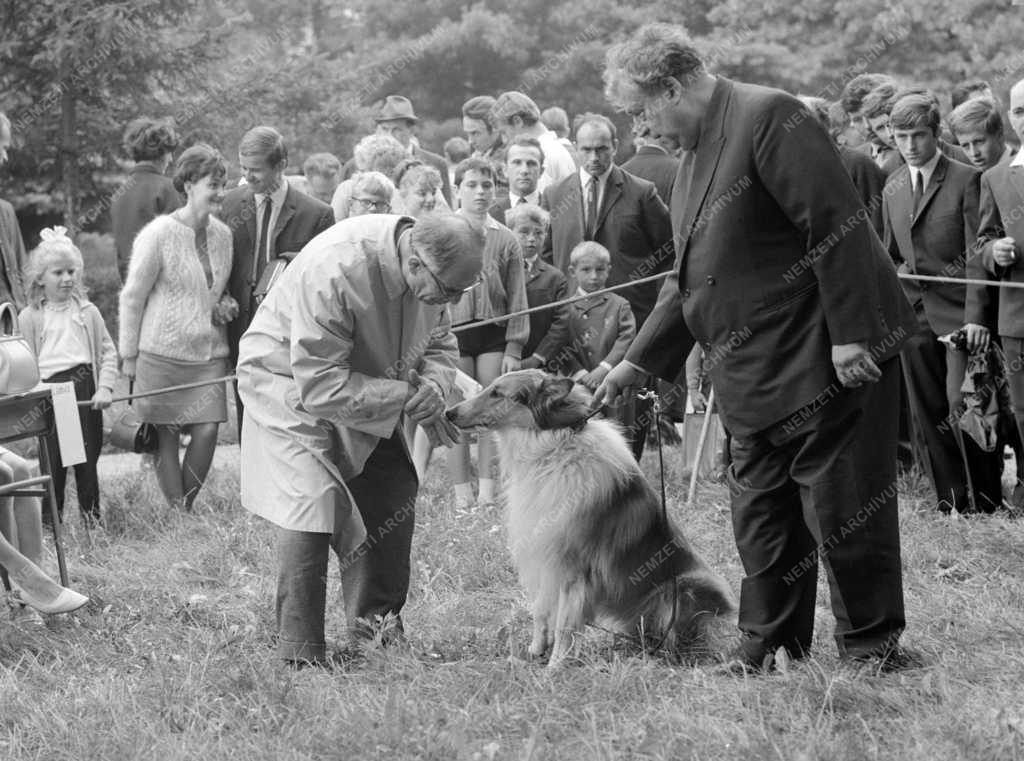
[349, 350]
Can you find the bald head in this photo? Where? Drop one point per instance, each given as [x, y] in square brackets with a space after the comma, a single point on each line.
[1016, 112]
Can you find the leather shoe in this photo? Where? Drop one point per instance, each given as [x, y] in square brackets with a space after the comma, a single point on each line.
[33, 587]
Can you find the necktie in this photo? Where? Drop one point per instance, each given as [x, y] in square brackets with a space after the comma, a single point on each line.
[264, 242]
[917, 179]
[591, 208]
[521, 200]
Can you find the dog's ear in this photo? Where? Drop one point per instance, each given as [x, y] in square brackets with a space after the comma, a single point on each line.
[557, 406]
[555, 387]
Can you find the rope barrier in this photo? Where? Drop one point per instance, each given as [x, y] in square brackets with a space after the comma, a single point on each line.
[554, 305]
[963, 280]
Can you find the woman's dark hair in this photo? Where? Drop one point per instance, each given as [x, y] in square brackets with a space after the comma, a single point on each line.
[148, 139]
[197, 162]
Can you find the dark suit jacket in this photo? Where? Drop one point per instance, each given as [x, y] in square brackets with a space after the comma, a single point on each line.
[940, 239]
[426, 157]
[1001, 216]
[773, 268]
[300, 220]
[600, 330]
[145, 194]
[499, 208]
[869, 179]
[548, 328]
[633, 224]
[12, 256]
[654, 165]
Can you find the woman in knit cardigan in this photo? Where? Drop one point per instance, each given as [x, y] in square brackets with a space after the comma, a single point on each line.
[172, 323]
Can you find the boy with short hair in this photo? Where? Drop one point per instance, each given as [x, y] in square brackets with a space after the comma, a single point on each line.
[601, 328]
[544, 285]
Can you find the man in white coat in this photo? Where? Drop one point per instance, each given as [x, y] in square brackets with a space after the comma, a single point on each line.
[350, 350]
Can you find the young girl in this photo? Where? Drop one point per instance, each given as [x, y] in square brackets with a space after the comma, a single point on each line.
[71, 343]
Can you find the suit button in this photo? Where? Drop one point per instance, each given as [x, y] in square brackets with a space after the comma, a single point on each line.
[707, 347]
[710, 280]
[686, 293]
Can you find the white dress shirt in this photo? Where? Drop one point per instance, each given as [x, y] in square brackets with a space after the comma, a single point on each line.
[276, 202]
[925, 173]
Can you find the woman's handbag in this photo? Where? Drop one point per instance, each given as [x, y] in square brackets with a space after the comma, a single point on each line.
[129, 433]
[19, 370]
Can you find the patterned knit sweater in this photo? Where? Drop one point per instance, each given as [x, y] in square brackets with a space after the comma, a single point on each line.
[166, 307]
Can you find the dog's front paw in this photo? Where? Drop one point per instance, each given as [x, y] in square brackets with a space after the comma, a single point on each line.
[537, 648]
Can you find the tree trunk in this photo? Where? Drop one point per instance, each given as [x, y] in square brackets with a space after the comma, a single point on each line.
[316, 21]
[68, 152]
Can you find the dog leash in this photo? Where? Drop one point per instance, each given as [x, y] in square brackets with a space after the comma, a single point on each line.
[652, 395]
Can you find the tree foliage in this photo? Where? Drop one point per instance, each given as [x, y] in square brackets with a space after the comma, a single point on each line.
[75, 71]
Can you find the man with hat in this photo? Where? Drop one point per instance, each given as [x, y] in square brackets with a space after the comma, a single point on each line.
[397, 118]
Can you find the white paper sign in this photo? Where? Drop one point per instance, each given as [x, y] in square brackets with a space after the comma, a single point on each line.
[69, 425]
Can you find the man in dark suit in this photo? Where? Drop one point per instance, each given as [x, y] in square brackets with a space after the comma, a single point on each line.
[801, 317]
[397, 118]
[624, 213]
[524, 162]
[930, 207]
[1001, 238]
[267, 218]
[653, 163]
[620, 211]
[12, 247]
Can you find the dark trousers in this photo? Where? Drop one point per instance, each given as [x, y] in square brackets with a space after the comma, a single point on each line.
[374, 577]
[86, 481]
[933, 376]
[821, 484]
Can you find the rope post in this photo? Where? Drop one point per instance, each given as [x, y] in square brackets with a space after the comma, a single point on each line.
[691, 493]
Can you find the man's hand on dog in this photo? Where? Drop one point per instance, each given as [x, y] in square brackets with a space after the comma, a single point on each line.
[854, 365]
[424, 403]
[621, 377]
[595, 377]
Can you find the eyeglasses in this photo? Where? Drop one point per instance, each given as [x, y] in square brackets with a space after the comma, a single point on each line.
[381, 207]
[448, 292]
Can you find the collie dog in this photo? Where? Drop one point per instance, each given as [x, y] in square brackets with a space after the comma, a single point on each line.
[587, 532]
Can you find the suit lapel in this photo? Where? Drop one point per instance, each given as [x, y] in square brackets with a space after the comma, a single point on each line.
[612, 191]
[933, 187]
[283, 217]
[705, 162]
[1016, 175]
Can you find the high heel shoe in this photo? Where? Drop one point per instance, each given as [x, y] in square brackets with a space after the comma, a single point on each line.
[35, 588]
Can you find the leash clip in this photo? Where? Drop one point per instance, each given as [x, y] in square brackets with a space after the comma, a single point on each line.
[650, 394]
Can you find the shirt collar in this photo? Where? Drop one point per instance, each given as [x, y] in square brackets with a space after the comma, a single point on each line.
[277, 197]
[1018, 160]
[601, 179]
[928, 169]
[533, 198]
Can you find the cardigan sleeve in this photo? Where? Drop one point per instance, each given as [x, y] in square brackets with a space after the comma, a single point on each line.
[106, 351]
[143, 271]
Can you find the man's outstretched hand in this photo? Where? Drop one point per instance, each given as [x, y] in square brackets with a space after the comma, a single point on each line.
[621, 377]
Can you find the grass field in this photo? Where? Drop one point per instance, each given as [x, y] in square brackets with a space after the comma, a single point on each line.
[172, 659]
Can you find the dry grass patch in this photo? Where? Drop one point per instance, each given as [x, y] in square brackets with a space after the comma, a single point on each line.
[172, 659]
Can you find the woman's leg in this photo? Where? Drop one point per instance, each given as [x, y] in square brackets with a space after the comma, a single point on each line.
[198, 458]
[27, 511]
[168, 468]
[458, 455]
[488, 367]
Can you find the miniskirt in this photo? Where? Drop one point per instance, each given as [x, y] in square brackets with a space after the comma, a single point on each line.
[203, 404]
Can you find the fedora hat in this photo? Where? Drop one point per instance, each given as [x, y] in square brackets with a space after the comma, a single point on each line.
[396, 107]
